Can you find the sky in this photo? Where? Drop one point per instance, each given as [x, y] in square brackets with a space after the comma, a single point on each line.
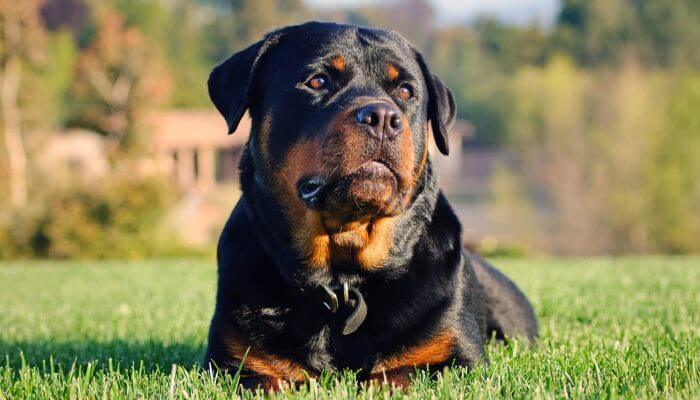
[515, 11]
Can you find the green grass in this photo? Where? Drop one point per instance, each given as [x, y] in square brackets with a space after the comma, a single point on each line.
[609, 328]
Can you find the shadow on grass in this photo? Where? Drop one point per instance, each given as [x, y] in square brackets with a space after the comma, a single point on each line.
[147, 355]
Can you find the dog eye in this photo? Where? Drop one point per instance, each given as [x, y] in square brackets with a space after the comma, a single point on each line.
[318, 82]
[405, 92]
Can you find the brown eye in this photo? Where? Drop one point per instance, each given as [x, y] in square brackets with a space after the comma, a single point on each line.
[405, 92]
[317, 82]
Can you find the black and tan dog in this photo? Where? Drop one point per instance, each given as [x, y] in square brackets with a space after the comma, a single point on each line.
[342, 252]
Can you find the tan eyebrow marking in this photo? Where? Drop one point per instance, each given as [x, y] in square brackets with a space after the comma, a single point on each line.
[338, 63]
[392, 72]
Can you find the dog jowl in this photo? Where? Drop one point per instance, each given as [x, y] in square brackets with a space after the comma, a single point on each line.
[342, 252]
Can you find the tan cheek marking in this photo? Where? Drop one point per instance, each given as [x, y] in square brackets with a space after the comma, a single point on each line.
[433, 351]
[263, 363]
[392, 72]
[338, 63]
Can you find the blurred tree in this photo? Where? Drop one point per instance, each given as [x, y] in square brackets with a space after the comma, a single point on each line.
[510, 46]
[46, 93]
[22, 37]
[72, 15]
[657, 32]
[673, 186]
[480, 84]
[177, 27]
[254, 18]
[119, 76]
[611, 155]
[186, 57]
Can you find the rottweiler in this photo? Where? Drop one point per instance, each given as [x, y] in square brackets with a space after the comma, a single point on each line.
[342, 252]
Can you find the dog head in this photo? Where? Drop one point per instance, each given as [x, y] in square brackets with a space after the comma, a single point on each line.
[340, 119]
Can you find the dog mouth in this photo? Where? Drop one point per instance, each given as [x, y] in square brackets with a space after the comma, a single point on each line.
[373, 169]
[368, 188]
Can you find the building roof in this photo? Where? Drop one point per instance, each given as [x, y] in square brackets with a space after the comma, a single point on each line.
[174, 129]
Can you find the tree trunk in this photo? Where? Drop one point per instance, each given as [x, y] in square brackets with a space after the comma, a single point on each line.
[16, 156]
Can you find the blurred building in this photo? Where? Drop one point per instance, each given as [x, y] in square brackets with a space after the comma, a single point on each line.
[193, 147]
[73, 154]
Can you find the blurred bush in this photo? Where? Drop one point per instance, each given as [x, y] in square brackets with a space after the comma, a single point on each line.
[489, 246]
[118, 217]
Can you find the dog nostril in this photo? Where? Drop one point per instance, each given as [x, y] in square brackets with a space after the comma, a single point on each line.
[368, 116]
[395, 122]
[382, 119]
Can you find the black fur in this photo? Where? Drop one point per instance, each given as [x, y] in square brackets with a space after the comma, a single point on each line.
[268, 295]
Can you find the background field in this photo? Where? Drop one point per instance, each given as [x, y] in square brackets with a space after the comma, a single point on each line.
[609, 328]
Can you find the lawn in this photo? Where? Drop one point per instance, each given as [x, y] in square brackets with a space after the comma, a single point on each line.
[609, 328]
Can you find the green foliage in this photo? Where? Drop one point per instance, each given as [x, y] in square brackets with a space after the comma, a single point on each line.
[121, 216]
[625, 328]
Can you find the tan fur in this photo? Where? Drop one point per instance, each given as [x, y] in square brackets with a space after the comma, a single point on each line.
[433, 351]
[263, 363]
[338, 63]
[378, 244]
[392, 72]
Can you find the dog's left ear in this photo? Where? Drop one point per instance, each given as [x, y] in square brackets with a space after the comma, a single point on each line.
[441, 106]
[230, 83]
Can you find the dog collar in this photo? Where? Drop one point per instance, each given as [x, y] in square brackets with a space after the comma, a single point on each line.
[346, 301]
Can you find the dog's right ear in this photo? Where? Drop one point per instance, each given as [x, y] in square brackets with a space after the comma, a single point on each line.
[230, 83]
[441, 106]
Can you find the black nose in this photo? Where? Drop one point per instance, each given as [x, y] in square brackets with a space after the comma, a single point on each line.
[383, 120]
